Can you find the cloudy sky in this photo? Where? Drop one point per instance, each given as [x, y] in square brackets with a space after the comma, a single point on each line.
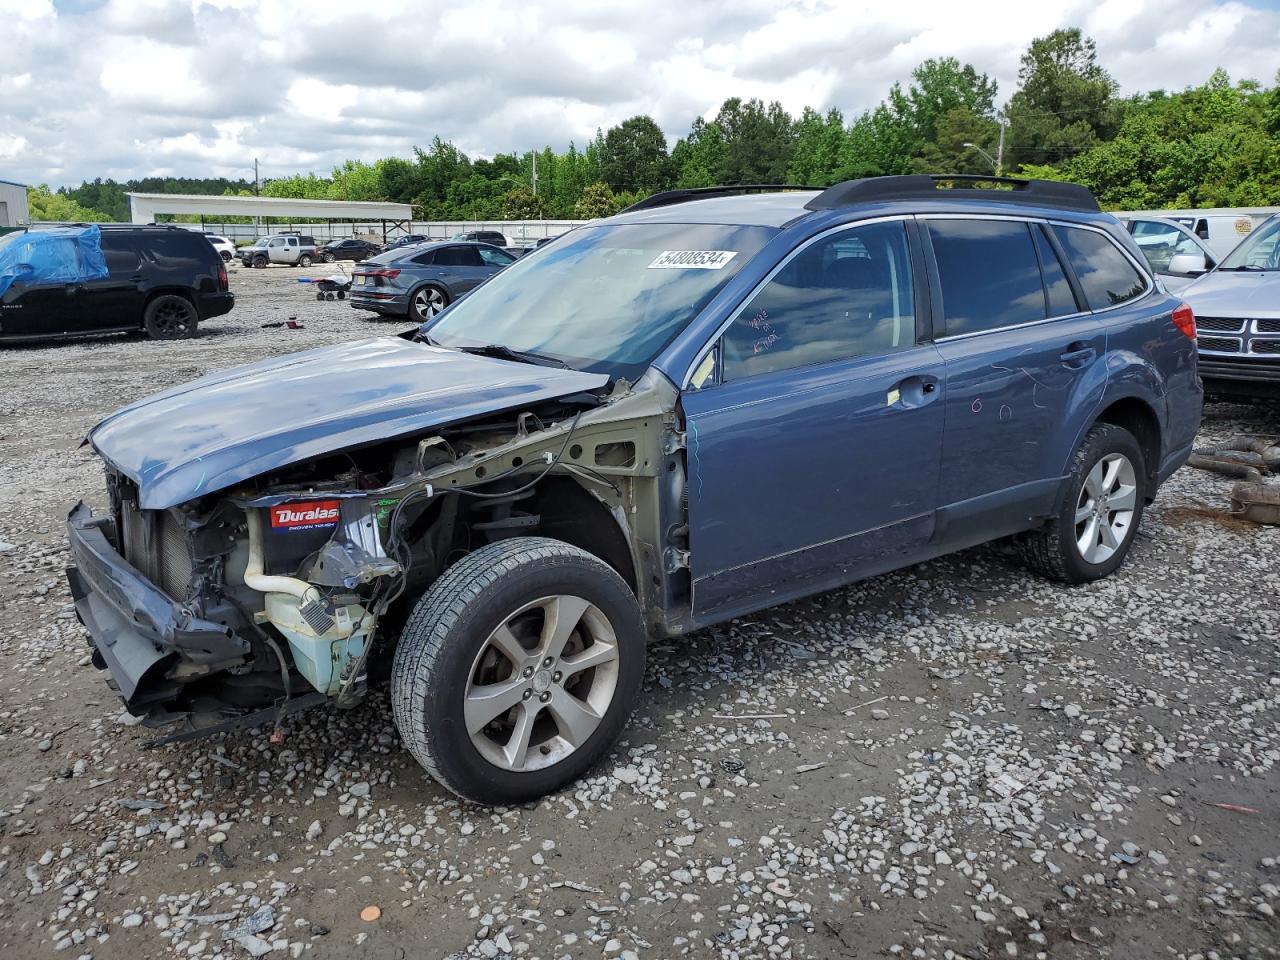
[128, 88]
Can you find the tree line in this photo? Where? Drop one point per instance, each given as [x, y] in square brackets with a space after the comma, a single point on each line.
[1216, 144]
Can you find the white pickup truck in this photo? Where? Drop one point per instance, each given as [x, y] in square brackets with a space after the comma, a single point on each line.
[288, 248]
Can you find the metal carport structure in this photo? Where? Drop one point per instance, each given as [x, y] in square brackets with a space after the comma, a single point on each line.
[145, 207]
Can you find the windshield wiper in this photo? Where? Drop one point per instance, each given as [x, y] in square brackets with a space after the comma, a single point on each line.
[503, 352]
[1251, 267]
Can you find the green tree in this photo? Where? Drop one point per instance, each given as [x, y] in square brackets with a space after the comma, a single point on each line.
[702, 156]
[816, 156]
[949, 151]
[45, 205]
[597, 200]
[758, 141]
[633, 156]
[1065, 102]
[520, 203]
[937, 87]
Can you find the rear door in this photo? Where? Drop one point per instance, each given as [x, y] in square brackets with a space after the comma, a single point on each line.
[813, 453]
[1023, 368]
[115, 301]
[461, 267]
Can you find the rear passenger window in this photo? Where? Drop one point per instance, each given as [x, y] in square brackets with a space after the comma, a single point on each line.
[425, 259]
[1105, 274]
[458, 257]
[1062, 301]
[989, 274]
[120, 255]
[848, 295]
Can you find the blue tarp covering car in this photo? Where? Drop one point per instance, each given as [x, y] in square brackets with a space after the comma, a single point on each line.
[60, 255]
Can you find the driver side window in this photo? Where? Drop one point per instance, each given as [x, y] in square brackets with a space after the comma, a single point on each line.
[846, 295]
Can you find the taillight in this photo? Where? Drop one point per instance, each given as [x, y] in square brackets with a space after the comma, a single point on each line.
[389, 274]
[1185, 320]
[222, 278]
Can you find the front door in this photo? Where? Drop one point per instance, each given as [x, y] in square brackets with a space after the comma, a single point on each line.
[813, 455]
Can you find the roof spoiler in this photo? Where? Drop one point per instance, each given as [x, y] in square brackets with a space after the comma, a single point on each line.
[667, 197]
[1039, 193]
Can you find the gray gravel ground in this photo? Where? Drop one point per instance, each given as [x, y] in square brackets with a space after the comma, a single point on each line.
[956, 760]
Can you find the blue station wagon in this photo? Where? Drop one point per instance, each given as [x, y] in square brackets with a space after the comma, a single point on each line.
[717, 401]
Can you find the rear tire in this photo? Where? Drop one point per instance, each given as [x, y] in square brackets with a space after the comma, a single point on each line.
[342, 294]
[1100, 510]
[304, 261]
[517, 670]
[170, 317]
[226, 257]
[426, 303]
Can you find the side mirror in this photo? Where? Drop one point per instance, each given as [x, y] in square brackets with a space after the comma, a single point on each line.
[1187, 264]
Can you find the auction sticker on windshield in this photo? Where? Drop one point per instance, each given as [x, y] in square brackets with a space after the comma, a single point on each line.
[692, 259]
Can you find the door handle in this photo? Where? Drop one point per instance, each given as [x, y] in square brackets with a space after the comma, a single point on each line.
[913, 392]
[1077, 355]
[136, 278]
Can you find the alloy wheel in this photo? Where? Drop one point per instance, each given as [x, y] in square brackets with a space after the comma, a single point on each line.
[541, 683]
[428, 302]
[174, 318]
[1105, 509]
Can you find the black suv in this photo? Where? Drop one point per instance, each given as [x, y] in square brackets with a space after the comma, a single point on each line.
[482, 236]
[161, 280]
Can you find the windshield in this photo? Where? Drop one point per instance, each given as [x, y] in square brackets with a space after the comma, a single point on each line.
[1260, 251]
[604, 299]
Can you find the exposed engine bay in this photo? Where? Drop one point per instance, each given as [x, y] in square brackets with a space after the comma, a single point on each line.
[295, 584]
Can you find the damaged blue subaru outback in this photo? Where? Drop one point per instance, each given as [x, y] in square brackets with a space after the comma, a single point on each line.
[714, 402]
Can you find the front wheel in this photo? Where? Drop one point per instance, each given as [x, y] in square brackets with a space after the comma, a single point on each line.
[517, 670]
[259, 262]
[1100, 510]
[170, 317]
[328, 258]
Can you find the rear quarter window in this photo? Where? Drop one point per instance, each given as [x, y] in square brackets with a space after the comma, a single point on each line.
[1106, 275]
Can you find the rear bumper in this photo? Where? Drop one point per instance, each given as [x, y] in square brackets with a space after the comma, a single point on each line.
[216, 304]
[135, 630]
[392, 307]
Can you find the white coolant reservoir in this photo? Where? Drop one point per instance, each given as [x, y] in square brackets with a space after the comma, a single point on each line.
[320, 657]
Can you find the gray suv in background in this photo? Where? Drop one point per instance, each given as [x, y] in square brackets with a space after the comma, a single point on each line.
[418, 282]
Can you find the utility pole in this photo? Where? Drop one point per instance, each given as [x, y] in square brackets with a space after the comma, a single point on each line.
[255, 176]
[535, 173]
[1000, 149]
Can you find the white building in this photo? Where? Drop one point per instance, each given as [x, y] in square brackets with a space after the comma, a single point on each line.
[13, 204]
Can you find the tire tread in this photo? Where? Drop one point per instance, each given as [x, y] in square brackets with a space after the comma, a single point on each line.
[430, 626]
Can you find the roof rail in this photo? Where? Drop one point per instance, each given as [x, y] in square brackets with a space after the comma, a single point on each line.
[667, 197]
[937, 186]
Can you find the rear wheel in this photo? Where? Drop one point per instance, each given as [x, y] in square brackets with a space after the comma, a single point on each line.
[304, 260]
[426, 302]
[342, 294]
[226, 257]
[517, 669]
[170, 317]
[1100, 510]
[328, 258]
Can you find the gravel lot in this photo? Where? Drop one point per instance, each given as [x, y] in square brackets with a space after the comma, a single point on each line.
[957, 760]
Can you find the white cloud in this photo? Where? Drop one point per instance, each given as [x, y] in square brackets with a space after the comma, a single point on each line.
[201, 87]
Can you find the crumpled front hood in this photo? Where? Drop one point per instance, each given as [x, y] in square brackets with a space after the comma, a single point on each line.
[1235, 293]
[230, 426]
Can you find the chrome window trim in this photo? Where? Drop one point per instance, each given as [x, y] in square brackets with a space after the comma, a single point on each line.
[1143, 269]
[768, 278]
